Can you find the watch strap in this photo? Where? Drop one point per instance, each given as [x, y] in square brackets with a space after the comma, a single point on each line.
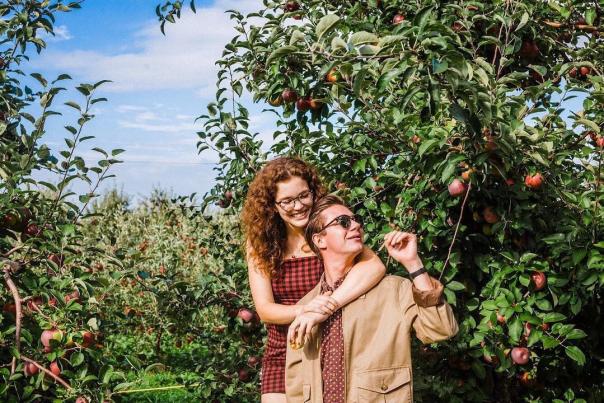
[417, 272]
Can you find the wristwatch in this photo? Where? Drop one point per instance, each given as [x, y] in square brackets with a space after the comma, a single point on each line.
[417, 272]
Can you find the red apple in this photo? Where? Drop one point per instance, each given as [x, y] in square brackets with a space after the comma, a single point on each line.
[545, 327]
[56, 259]
[252, 361]
[34, 303]
[533, 181]
[457, 26]
[573, 72]
[315, 105]
[31, 369]
[584, 71]
[539, 280]
[82, 399]
[529, 50]
[47, 336]
[332, 76]
[398, 18]
[527, 330]
[276, 101]
[457, 188]
[490, 215]
[32, 230]
[54, 368]
[526, 379]
[500, 318]
[289, 95]
[520, 355]
[74, 296]
[245, 315]
[292, 6]
[87, 339]
[243, 374]
[416, 139]
[510, 182]
[303, 104]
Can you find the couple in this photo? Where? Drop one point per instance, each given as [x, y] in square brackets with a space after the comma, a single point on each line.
[306, 260]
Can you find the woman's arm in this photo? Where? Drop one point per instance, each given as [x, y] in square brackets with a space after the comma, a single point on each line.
[271, 312]
[363, 276]
[262, 293]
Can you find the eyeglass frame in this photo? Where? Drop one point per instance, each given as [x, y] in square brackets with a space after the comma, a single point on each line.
[294, 200]
[355, 217]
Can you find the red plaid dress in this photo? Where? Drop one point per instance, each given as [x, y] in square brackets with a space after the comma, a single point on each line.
[296, 278]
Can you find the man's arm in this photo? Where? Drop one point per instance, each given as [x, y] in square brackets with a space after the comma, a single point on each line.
[421, 300]
[432, 318]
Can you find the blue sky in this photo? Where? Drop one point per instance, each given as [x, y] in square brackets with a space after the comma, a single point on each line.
[159, 85]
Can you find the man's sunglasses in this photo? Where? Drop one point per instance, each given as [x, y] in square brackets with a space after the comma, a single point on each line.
[345, 221]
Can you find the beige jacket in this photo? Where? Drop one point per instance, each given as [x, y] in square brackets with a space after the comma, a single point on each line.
[377, 343]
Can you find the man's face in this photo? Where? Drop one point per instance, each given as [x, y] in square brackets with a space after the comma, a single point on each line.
[337, 239]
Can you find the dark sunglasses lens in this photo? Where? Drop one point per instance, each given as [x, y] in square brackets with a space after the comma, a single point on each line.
[344, 221]
[359, 220]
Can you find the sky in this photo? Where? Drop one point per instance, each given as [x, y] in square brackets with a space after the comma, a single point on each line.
[160, 84]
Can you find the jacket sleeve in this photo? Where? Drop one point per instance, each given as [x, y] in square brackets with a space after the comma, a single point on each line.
[293, 375]
[431, 316]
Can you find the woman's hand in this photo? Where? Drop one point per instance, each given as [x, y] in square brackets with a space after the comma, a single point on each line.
[300, 330]
[322, 304]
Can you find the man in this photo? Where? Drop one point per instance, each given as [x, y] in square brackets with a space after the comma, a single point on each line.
[362, 353]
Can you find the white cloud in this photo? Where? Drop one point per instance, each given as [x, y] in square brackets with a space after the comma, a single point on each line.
[183, 58]
[61, 33]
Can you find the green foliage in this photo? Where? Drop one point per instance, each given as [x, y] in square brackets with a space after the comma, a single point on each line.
[487, 92]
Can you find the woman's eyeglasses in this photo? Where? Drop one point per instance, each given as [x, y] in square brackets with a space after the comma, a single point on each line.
[345, 221]
[304, 198]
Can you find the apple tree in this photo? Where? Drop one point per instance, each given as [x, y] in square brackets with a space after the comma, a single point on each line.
[478, 125]
[51, 334]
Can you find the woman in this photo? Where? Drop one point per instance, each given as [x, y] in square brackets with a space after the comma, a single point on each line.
[281, 266]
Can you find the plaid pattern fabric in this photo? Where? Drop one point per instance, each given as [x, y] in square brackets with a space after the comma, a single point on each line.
[296, 278]
[332, 352]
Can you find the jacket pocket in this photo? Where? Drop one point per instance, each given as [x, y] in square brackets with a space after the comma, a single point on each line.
[391, 385]
[306, 393]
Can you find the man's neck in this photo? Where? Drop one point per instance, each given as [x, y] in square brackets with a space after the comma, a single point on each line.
[336, 267]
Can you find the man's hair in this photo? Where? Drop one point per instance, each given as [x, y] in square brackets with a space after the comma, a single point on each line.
[315, 221]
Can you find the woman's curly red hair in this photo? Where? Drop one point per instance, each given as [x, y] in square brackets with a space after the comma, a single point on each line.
[264, 230]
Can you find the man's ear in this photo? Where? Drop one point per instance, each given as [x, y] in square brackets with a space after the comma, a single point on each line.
[319, 241]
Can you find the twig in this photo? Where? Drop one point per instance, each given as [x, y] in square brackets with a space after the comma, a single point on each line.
[463, 205]
[11, 285]
[57, 378]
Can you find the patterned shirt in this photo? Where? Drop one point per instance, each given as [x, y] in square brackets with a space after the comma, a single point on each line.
[332, 352]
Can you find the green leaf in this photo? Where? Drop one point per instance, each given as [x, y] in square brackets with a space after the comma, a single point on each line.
[338, 43]
[523, 21]
[554, 238]
[553, 317]
[76, 359]
[576, 334]
[427, 145]
[455, 286]
[297, 36]
[284, 50]
[363, 38]
[438, 66]
[576, 354]
[326, 24]
[515, 329]
[387, 77]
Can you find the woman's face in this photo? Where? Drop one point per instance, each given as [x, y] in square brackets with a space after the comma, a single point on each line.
[294, 201]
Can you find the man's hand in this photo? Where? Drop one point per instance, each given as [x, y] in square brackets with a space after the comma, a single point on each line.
[322, 304]
[300, 330]
[402, 246]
